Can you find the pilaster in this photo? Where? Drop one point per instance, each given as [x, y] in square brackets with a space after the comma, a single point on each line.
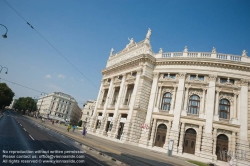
[173, 101]
[216, 113]
[184, 111]
[198, 142]
[152, 136]
[180, 148]
[201, 114]
[145, 135]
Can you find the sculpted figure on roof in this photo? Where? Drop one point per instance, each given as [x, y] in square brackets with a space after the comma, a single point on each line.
[148, 34]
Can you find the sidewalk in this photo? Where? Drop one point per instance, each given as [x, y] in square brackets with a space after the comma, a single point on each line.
[120, 151]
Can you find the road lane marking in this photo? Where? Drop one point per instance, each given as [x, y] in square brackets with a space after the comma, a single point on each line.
[49, 134]
[94, 160]
[24, 129]
[20, 125]
[31, 137]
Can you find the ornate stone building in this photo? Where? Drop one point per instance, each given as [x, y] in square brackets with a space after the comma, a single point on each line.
[200, 100]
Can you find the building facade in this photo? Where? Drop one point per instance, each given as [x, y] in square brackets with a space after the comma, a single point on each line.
[196, 102]
[87, 112]
[57, 106]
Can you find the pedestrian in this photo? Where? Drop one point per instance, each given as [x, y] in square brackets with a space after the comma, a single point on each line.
[83, 132]
[74, 127]
[52, 122]
[69, 127]
[229, 160]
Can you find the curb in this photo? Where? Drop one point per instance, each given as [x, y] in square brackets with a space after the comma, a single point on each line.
[88, 147]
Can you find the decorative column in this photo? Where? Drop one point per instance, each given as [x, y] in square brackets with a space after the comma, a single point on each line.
[174, 133]
[116, 127]
[242, 142]
[167, 136]
[127, 125]
[119, 100]
[158, 104]
[182, 134]
[173, 101]
[94, 117]
[184, 111]
[145, 135]
[151, 141]
[102, 130]
[234, 116]
[233, 143]
[207, 139]
[198, 142]
[201, 114]
[216, 113]
[214, 144]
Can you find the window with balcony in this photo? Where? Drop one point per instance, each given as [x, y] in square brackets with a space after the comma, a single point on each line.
[114, 100]
[166, 101]
[128, 94]
[224, 109]
[194, 104]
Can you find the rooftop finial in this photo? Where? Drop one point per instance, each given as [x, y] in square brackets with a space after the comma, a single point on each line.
[244, 53]
[160, 51]
[148, 34]
[111, 52]
[214, 50]
[185, 49]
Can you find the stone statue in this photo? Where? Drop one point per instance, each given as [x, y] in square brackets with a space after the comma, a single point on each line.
[111, 52]
[160, 51]
[148, 34]
[185, 49]
[214, 50]
[244, 53]
[131, 41]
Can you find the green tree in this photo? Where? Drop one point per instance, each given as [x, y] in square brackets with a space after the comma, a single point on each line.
[6, 95]
[25, 103]
[80, 123]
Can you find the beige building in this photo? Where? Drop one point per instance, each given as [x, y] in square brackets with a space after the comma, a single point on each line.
[57, 106]
[87, 112]
[197, 102]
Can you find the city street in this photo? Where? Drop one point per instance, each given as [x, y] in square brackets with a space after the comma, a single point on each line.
[128, 154]
[18, 133]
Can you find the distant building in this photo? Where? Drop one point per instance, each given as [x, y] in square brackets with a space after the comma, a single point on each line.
[57, 106]
[12, 103]
[87, 112]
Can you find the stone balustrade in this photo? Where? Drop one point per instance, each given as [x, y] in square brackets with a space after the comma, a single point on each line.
[204, 55]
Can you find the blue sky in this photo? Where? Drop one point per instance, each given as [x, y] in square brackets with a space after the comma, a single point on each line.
[85, 31]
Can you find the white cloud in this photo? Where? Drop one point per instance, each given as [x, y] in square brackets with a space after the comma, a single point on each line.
[55, 88]
[48, 76]
[61, 76]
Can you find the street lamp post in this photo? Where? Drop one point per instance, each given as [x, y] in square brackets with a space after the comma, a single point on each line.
[5, 35]
[3, 68]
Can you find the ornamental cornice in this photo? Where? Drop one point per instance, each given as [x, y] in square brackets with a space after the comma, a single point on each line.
[195, 92]
[165, 90]
[181, 75]
[129, 64]
[212, 77]
[236, 92]
[244, 82]
[216, 63]
[226, 96]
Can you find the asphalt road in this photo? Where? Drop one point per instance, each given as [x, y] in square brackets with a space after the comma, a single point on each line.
[23, 140]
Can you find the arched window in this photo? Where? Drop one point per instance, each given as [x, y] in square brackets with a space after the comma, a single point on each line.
[166, 101]
[224, 109]
[194, 104]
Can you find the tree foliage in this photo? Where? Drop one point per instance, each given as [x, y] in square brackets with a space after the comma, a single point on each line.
[26, 103]
[6, 95]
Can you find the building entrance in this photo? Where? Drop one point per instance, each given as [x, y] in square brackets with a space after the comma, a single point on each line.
[189, 141]
[120, 130]
[222, 147]
[161, 135]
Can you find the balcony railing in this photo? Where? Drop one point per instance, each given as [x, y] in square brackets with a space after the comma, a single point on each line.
[205, 55]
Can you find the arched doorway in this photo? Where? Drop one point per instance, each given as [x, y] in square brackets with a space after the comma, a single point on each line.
[189, 141]
[222, 147]
[161, 135]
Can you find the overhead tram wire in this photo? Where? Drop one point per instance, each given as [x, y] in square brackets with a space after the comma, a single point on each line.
[51, 45]
[31, 88]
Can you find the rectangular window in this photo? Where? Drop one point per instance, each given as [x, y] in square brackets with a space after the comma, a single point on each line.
[222, 80]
